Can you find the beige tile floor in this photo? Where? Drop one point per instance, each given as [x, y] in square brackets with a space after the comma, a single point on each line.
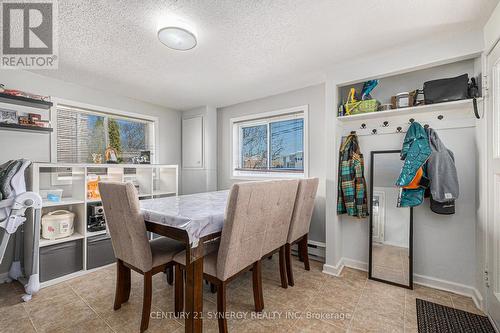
[390, 263]
[317, 303]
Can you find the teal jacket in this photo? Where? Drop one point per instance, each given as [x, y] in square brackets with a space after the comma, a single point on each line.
[415, 152]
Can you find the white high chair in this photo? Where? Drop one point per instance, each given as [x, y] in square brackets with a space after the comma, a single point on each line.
[12, 216]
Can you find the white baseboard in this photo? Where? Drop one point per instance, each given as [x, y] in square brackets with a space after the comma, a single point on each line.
[454, 287]
[422, 280]
[333, 270]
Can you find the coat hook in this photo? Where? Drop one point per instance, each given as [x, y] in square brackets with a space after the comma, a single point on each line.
[374, 131]
[398, 129]
[426, 126]
[363, 125]
[386, 123]
[353, 132]
[411, 120]
[440, 117]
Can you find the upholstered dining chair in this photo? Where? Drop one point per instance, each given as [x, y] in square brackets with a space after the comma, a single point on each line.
[132, 248]
[277, 233]
[249, 209]
[299, 226]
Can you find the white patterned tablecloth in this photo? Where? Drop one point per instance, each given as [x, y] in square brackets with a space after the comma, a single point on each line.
[199, 214]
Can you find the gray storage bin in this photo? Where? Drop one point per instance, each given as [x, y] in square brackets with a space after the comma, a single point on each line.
[99, 251]
[61, 259]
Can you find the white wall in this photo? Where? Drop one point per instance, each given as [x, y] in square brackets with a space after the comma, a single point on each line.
[492, 29]
[313, 96]
[36, 147]
[444, 246]
[203, 179]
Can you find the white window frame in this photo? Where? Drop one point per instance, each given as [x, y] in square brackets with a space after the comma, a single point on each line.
[100, 110]
[258, 119]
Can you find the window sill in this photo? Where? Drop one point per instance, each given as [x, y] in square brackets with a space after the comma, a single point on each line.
[249, 175]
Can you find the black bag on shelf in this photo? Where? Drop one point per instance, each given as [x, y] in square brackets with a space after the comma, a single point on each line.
[446, 90]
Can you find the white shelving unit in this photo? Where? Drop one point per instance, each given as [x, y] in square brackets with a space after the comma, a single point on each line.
[152, 181]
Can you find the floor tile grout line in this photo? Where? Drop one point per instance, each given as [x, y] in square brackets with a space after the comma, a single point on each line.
[356, 305]
[29, 317]
[91, 308]
[404, 315]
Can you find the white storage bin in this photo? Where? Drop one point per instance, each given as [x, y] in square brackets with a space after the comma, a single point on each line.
[53, 195]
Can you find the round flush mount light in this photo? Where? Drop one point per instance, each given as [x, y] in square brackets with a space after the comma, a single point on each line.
[177, 38]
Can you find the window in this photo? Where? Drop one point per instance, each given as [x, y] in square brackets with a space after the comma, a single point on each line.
[270, 145]
[83, 136]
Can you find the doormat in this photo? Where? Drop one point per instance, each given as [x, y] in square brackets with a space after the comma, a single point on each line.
[435, 318]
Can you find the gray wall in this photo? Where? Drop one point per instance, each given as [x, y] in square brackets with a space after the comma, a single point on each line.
[36, 147]
[313, 96]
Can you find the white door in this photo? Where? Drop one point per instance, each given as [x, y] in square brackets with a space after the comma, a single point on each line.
[192, 142]
[492, 119]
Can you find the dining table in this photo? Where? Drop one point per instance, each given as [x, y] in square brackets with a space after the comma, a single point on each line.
[196, 220]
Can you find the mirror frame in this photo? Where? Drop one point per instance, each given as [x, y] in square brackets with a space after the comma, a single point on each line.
[370, 262]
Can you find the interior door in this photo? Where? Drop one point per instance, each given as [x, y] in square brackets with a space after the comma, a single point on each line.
[192, 143]
[492, 118]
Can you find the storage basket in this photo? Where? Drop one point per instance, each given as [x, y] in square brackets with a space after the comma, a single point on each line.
[355, 107]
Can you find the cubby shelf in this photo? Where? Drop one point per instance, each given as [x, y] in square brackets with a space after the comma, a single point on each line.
[414, 110]
[72, 179]
[47, 242]
[63, 202]
[95, 233]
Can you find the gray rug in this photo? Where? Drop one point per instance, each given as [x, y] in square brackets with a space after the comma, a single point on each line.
[435, 318]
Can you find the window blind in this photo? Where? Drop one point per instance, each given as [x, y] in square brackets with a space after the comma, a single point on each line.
[72, 136]
[82, 134]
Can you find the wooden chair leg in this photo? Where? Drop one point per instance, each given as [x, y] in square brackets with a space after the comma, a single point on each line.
[146, 302]
[288, 259]
[258, 296]
[221, 307]
[284, 283]
[122, 292]
[169, 271]
[179, 291]
[303, 250]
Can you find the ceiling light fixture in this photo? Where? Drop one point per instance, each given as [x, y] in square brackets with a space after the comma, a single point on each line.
[177, 37]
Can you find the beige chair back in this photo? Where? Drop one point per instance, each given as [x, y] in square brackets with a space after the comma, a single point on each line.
[126, 224]
[304, 206]
[250, 209]
[279, 224]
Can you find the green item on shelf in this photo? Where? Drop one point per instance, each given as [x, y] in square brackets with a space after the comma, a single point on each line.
[369, 105]
[352, 106]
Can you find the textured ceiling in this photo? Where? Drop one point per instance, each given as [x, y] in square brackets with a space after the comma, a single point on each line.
[246, 48]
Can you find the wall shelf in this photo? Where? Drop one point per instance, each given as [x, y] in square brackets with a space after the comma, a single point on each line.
[414, 110]
[25, 101]
[24, 128]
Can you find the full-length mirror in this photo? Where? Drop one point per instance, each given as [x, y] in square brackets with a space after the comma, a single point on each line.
[390, 226]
